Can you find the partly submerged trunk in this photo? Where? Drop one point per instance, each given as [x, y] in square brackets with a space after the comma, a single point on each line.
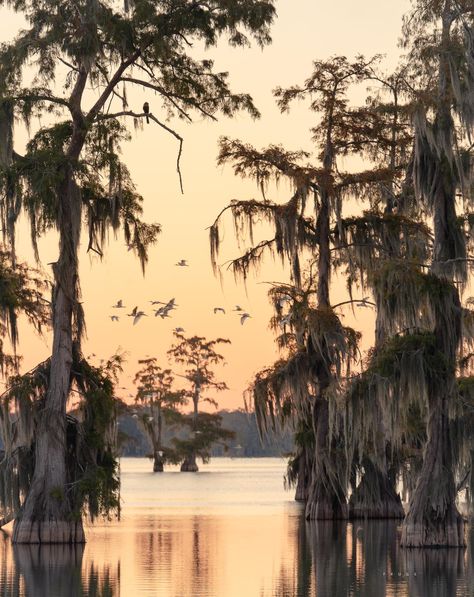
[189, 464]
[157, 462]
[47, 515]
[156, 434]
[375, 496]
[326, 497]
[433, 519]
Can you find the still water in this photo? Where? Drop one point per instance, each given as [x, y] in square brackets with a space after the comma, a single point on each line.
[229, 531]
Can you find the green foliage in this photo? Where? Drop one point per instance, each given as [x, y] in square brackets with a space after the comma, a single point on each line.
[206, 431]
[160, 404]
[91, 453]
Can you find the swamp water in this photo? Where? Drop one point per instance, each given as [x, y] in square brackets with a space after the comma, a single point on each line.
[230, 531]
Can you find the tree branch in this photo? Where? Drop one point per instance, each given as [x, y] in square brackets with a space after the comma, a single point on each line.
[159, 123]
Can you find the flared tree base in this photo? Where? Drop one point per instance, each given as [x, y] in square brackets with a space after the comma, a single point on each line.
[447, 532]
[383, 510]
[322, 505]
[53, 531]
[375, 497]
[189, 465]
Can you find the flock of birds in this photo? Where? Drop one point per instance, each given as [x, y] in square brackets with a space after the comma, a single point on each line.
[163, 309]
[168, 307]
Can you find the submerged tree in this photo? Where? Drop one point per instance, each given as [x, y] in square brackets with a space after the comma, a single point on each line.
[198, 356]
[91, 459]
[72, 172]
[341, 131]
[440, 37]
[161, 404]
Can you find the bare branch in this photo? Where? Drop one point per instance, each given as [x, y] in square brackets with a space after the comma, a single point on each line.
[159, 123]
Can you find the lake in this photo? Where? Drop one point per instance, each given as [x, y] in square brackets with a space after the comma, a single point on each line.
[230, 530]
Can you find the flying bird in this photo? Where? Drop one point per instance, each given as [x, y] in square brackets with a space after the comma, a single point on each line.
[244, 318]
[114, 317]
[182, 263]
[138, 316]
[219, 310]
[179, 330]
[237, 308]
[119, 305]
[133, 313]
[146, 109]
[164, 311]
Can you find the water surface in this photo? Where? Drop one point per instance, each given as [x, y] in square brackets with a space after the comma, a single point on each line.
[230, 530]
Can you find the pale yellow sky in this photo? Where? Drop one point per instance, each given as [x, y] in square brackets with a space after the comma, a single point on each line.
[305, 30]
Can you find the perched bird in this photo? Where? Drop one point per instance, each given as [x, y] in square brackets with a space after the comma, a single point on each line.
[237, 308]
[244, 318]
[182, 263]
[219, 309]
[138, 316]
[179, 330]
[146, 109]
[114, 317]
[119, 305]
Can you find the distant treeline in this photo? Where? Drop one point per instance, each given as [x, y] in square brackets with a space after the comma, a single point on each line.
[246, 442]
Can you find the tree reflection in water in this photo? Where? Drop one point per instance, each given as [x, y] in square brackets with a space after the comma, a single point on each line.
[53, 571]
[340, 559]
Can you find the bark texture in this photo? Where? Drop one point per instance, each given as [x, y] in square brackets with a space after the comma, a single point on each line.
[305, 464]
[326, 496]
[47, 516]
[375, 496]
[433, 519]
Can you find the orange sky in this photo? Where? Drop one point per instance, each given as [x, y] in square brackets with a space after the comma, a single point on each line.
[305, 30]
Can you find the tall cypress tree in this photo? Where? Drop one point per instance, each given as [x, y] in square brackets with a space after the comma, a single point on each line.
[72, 172]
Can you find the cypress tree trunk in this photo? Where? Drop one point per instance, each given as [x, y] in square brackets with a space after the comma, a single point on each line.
[189, 464]
[305, 465]
[157, 462]
[47, 516]
[375, 496]
[433, 519]
[156, 438]
[326, 497]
